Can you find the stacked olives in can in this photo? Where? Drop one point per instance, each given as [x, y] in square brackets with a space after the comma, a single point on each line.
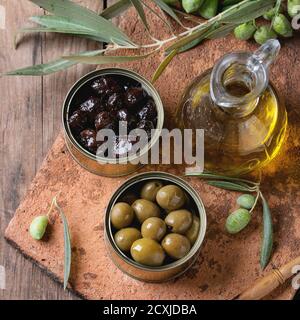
[155, 224]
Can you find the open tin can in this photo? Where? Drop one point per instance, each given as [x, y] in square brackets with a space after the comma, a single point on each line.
[168, 271]
[96, 164]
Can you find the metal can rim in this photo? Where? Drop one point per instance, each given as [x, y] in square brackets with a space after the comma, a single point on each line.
[171, 178]
[117, 71]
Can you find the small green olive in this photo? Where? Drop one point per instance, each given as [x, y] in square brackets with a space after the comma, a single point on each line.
[179, 221]
[128, 198]
[209, 8]
[148, 252]
[124, 238]
[246, 201]
[154, 228]
[269, 15]
[245, 31]
[293, 7]
[145, 209]
[264, 33]
[176, 245]
[191, 5]
[171, 197]
[282, 26]
[121, 215]
[150, 190]
[38, 227]
[193, 232]
[237, 221]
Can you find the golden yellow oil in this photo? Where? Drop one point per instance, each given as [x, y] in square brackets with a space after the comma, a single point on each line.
[234, 145]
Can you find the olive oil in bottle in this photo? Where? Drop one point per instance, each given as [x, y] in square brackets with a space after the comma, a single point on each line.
[243, 118]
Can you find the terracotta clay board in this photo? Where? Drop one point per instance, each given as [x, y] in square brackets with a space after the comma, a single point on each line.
[227, 264]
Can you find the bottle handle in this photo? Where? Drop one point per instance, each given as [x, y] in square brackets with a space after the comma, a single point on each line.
[266, 54]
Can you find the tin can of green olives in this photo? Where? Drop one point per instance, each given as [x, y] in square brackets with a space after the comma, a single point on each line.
[80, 92]
[170, 268]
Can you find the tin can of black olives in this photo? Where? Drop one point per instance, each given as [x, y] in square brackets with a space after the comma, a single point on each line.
[80, 92]
[171, 268]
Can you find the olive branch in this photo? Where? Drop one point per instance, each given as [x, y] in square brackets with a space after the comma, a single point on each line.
[243, 185]
[69, 18]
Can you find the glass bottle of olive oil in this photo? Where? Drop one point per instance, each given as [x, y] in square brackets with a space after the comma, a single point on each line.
[243, 118]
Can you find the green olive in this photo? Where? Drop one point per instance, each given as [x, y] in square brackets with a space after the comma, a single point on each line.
[150, 190]
[209, 8]
[121, 215]
[179, 221]
[293, 7]
[129, 198]
[245, 31]
[191, 5]
[263, 34]
[38, 227]
[147, 252]
[193, 232]
[246, 201]
[124, 238]
[170, 197]
[145, 209]
[282, 26]
[154, 228]
[269, 15]
[237, 221]
[176, 245]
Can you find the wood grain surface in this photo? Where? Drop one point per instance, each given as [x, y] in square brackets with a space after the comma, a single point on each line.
[30, 121]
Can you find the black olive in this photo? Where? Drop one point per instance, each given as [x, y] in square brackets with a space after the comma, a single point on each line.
[121, 146]
[78, 121]
[148, 112]
[88, 140]
[115, 101]
[134, 96]
[146, 125]
[102, 120]
[92, 107]
[106, 86]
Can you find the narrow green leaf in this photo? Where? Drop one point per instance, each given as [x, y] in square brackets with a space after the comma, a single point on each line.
[116, 9]
[163, 65]
[210, 175]
[73, 32]
[48, 68]
[88, 18]
[168, 10]
[246, 11]
[67, 245]
[222, 31]
[228, 186]
[267, 241]
[230, 2]
[104, 59]
[140, 10]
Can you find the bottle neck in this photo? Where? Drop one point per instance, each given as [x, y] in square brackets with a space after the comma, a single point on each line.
[238, 79]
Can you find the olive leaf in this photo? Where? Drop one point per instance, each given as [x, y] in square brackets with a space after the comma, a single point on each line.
[228, 186]
[51, 67]
[163, 65]
[103, 59]
[67, 245]
[116, 9]
[140, 10]
[209, 175]
[168, 10]
[90, 19]
[267, 240]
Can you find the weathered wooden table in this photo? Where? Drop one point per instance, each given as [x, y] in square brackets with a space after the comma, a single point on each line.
[29, 122]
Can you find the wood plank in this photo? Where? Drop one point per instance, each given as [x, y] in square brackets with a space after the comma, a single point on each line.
[30, 121]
